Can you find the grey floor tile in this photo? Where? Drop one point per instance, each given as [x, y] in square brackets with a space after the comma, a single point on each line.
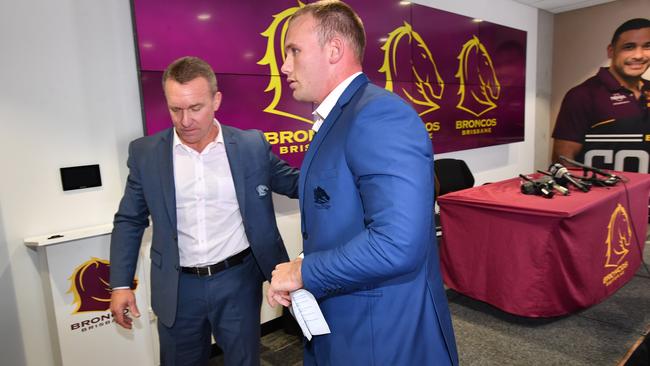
[628, 308]
[281, 349]
[487, 336]
[277, 349]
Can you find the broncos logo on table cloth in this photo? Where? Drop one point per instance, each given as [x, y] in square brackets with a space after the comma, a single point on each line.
[619, 235]
[619, 238]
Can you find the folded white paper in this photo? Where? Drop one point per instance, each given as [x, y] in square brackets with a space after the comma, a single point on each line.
[305, 309]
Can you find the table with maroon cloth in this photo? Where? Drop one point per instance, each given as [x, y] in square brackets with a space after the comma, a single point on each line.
[538, 257]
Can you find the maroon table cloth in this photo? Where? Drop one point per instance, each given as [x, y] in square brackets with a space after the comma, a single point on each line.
[539, 257]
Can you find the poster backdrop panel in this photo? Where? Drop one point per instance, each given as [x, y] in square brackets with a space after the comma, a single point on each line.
[465, 77]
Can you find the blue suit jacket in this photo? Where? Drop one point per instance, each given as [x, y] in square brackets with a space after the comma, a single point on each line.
[150, 192]
[371, 260]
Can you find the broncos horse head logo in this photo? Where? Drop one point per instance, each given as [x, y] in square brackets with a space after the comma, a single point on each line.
[479, 86]
[619, 234]
[274, 34]
[90, 286]
[429, 85]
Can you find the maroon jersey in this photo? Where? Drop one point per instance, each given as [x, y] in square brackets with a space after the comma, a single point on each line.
[612, 126]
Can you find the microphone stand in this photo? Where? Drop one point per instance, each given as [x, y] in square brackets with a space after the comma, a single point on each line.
[609, 181]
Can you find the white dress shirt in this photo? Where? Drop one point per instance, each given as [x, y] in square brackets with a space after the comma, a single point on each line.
[324, 109]
[209, 223]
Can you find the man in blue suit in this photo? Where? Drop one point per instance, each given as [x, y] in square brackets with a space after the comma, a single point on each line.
[366, 198]
[207, 188]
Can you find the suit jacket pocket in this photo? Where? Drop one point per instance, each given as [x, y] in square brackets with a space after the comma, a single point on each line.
[367, 293]
[156, 257]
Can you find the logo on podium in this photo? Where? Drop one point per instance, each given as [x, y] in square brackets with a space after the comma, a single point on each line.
[89, 283]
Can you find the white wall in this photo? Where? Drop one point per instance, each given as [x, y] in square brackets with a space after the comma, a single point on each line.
[495, 163]
[69, 96]
[545, 29]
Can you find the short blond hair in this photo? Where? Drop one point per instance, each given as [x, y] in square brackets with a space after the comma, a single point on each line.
[336, 17]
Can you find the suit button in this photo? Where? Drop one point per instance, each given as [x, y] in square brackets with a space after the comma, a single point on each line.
[305, 236]
[177, 267]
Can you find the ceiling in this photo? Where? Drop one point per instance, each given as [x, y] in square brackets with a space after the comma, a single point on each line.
[559, 6]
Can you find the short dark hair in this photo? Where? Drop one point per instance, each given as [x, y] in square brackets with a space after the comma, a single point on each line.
[188, 68]
[336, 17]
[632, 24]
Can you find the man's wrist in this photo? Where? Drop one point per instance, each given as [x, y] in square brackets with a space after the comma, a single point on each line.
[299, 273]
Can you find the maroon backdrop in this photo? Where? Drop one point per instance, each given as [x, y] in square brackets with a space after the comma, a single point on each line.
[464, 77]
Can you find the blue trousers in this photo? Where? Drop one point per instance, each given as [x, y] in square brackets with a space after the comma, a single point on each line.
[226, 305]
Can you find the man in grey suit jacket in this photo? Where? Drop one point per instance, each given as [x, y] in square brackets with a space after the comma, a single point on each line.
[207, 188]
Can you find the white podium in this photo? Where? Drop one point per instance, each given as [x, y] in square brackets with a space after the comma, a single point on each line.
[74, 269]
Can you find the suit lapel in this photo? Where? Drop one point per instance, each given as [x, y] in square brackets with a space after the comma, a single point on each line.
[166, 166]
[331, 119]
[236, 166]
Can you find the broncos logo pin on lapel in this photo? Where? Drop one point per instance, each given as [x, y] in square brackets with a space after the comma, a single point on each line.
[262, 190]
[321, 198]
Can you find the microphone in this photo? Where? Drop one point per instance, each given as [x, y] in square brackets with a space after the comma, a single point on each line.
[562, 174]
[586, 167]
[535, 187]
[557, 187]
